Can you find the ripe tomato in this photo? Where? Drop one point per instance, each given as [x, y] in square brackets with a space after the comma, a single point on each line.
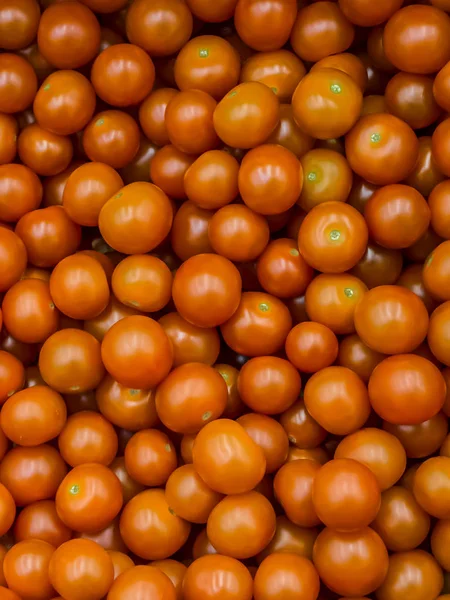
[152, 115]
[338, 400]
[401, 523]
[416, 39]
[431, 486]
[148, 357]
[416, 571]
[253, 519]
[311, 347]
[18, 83]
[293, 486]
[40, 521]
[111, 137]
[326, 103]
[81, 569]
[12, 375]
[7, 509]
[302, 430]
[70, 361]
[397, 216]
[192, 395]
[422, 439]
[19, 21]
[435, 272]
[264, 25]
[49, 235]
[33, 416]
[421, 109]
[189, 121]
[259, 326]
[359, 553]
[346, 495]
[87, 437]
[33, 473]
[147, 580]
[68, 37]
[115, 311]
[20, 191]
[88, 498]
[125, 219]
[150, 457]
[285, 575]
[332, 237]
[236, 471]
[25, 568]
[268, 384]
[406, 389]
[288, 134]
[247, 115]
[123, 74]
[149, 529]
[382, 149]
[160, 27]
[88, 188]
[212, 575]
[8, 138]
[378, 450]
[314, 20]
[270, 179]
[208, 63]
[281, 269]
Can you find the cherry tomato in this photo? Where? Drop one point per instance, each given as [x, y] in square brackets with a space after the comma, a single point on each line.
[293, 484]
[236, 471]
[25, 568]
[20, 191]
[247, 115]
[286, 575]
[217, 576]
[40, 521]
[382, 149]
[81, 569]
[207, 63]
[68, 36]
[321, 29]
[406, 389]
[338, 400]
[19, 21]
[18, 83]
[327, 102]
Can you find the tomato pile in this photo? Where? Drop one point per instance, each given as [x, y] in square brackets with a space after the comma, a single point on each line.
[225, 300]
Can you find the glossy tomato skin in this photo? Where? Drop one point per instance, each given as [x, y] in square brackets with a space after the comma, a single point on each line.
[81, 568]
[142, 580]
[40, 521]
[111, 137]
[382, 149]
[236, 471]
[293, 485]
[217, 574]
[206, 290]
[332, 299]
[416, 571]
[70, 361]
[397, 216]
[65, 102]
[149, 529]
[270, 436]
[337, 399]
[286, 575]
[333, 237]
[257, 315]
[32, 473]
[379, 266]
[161, 28]
[68, 37]
[361, 14]
[268, 384]
[19, 22]
[25, 568]
[430, 486]
[264, 26]
[87, 437]
[391, 309]
[401, 522]
[123, 74]
[125, 219]
[270, 179]
[326, 103]
[314, 20]
[8, 138]
[146, 344]
[19, 83]
[435, 271]
[33, 416]
[207, 63]
[192, 395]
[398, 400]
[426, 174]
[411, 50]
[12, 375]
[20, 191]
[247, 115]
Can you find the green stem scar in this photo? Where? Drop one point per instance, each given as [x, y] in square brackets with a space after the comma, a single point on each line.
[75, 489]
[203, 52]
[348, 292]
[375, 137]
[335, 235]
[263, 307]
[335, 88]
[311, 176]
